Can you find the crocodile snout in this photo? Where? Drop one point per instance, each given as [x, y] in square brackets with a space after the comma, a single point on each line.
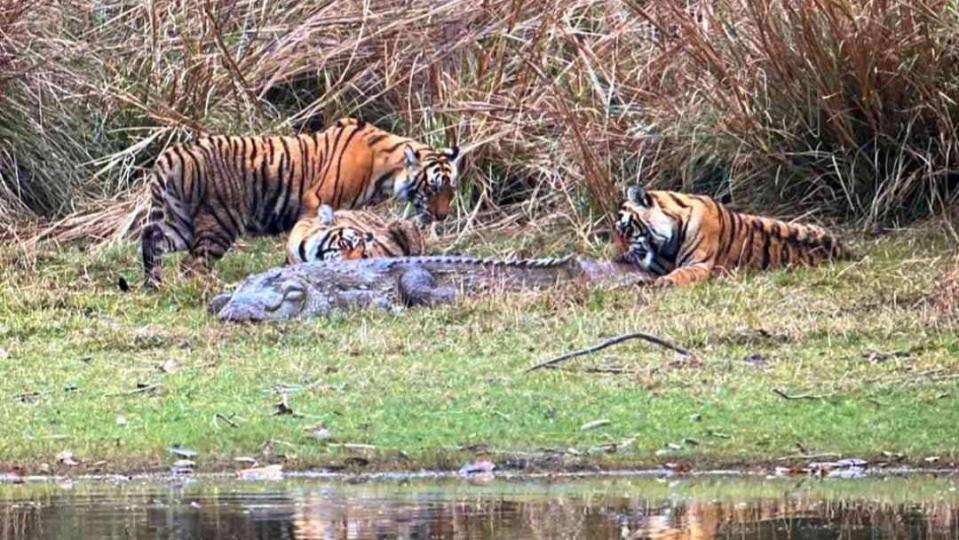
[240, 311]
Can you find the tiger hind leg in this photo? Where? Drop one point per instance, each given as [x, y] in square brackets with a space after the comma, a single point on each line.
[151, 246]
[212, 242]
[168, 229]
[154, 243]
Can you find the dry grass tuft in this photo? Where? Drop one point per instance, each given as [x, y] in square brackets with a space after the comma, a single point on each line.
[102, 220]
[944, 297]
[845, 107]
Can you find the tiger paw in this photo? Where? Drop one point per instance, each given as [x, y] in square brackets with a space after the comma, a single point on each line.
[151, 284]
[663, 283]
[194, 266]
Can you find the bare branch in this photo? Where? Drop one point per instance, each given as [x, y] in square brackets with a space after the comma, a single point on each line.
[609, 343]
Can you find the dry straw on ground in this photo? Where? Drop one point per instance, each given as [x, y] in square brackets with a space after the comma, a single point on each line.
[842, 107]
[944, 297]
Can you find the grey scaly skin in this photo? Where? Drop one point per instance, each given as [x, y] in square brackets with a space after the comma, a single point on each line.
[320, 288]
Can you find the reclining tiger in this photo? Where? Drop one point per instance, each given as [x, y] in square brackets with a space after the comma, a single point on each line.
[203, 196]
[344, 235]
[684, 239]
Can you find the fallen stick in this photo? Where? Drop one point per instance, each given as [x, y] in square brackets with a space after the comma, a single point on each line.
[784, 395]
[610, 369]
[138, 390]
[228, 420]
[609, 343]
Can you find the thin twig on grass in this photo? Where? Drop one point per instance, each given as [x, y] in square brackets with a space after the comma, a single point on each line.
[615, 370]
[139, 390]
[782, 393]
[284, 388]
[228, 420]
[609, 343]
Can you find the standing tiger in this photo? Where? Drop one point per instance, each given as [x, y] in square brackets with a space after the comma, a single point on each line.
[203, 196]
[351, 234]
[685, 239]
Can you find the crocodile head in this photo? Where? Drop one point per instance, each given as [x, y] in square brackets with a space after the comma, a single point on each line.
[275, 295]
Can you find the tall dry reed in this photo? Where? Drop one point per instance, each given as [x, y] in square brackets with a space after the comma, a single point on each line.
[845, 106]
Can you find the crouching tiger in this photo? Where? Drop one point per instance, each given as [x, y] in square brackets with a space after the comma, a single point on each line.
[203, 196]
[685, 239]
[351, 234]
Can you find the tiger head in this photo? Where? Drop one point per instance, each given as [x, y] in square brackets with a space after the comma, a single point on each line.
[337, 243]
[644, 235]
[431, 180]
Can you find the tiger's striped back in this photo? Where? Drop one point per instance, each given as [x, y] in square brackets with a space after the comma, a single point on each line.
[687, 238]
[351, 234]
[205, 195]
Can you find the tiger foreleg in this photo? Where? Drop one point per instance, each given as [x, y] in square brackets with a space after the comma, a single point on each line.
[685, 276]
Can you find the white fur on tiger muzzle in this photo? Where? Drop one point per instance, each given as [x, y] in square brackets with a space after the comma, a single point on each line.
[421, 204]
[640, 253]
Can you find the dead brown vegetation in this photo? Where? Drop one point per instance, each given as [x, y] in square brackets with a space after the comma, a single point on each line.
[944, 296]
[844, 108]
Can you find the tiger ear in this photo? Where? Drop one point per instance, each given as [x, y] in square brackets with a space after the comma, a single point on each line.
[412, 156]
[637, 195]
[326, 215]
[451, 153]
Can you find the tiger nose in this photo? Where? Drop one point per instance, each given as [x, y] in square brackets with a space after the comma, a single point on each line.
[439, 206]
[620, 243]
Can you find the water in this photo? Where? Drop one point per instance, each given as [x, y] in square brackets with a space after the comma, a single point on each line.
[715, 507]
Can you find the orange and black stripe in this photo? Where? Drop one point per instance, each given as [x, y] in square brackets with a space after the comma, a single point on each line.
[351, 234]
[687, 238]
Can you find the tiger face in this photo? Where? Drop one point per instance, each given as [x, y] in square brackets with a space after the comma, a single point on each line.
[432, 179]
[343, 244]
[644, 235]
[337, 242]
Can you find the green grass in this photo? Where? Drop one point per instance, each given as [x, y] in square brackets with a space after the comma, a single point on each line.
[423, 385]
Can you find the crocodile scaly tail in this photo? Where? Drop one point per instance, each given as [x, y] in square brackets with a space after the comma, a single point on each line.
[545, 262]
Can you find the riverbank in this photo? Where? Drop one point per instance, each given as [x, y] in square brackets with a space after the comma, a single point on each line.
[841, 361]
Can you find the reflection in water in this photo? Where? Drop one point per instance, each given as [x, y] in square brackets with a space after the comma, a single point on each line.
[608, 509]
[795, 518]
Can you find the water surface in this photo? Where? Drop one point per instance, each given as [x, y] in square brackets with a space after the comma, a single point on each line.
[917, 507]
